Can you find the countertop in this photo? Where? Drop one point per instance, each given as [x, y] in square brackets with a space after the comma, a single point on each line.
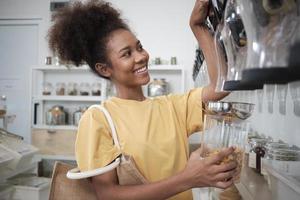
[253, 186]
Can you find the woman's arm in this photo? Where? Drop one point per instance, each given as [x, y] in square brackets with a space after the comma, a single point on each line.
[198, 173]
[206, 43]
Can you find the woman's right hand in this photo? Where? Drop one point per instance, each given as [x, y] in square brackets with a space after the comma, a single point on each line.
[208, 172]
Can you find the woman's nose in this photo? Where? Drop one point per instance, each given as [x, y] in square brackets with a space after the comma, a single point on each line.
[141, 57]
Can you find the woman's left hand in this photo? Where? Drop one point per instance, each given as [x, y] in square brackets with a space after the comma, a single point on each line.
[199, 13]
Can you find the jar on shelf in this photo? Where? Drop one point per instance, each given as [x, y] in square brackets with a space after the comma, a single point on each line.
[2, 105]
[56, 116]
[173, 61]
[96, 89]
[157, 61]
[72, 89]
[47, 88]
[84, 89]
[158, 87]
[60, 88]
[77, 115]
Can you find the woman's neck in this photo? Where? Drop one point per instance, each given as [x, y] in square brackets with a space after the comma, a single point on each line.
[130, 93]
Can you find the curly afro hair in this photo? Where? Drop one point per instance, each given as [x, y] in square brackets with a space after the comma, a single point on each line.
[80, 32]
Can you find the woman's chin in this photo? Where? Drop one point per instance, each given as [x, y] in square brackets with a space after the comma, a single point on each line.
[145, 80]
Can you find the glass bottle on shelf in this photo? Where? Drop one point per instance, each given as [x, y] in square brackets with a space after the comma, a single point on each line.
[47, 88]
[72, 89]
[2, 106]
[158, 87]
[96, 89]
[84, 89]
[60, 88]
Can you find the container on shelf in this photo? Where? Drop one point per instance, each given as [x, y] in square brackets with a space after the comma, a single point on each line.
[72, 89]
[158, 87]
[56, 116]
[47, 88]
[77, 115]
[48, 60]
[56, 61]
[173, 61]
[60, 88]
[96, 89]
[3, 105]
[157, 61]
[84, 89]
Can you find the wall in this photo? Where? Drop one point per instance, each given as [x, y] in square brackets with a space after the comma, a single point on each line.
[284, 121]
[161, 25]
[18, 9]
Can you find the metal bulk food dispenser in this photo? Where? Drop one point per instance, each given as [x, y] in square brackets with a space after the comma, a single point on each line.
[226, 125]
[271, 27]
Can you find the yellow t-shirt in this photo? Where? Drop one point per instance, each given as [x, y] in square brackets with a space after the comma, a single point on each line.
[154, 131]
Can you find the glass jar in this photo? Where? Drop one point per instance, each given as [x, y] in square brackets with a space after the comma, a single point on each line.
[56, 116]
[60, 88]
[225, 125]
[72, 89]
[158, 87]
[3, 106]
[77, 115]
[47, 88]
[84, 89]
[96, 89]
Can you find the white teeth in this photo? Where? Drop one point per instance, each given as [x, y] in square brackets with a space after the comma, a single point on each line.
[141, 70]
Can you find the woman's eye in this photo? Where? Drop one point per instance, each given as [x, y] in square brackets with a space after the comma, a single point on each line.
[140, 47]
[126, 54]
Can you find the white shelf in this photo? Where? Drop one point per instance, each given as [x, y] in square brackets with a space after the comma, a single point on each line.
[55, 127]
[56, 157]
[68, 98]
[55, 68]
[165, 67]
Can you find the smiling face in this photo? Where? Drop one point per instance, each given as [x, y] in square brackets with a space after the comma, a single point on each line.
[128, 60]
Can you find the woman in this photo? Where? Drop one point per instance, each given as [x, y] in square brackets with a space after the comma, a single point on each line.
[154, 131]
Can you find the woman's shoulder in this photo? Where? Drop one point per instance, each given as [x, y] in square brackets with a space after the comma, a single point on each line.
[178, 96]
[93, 113]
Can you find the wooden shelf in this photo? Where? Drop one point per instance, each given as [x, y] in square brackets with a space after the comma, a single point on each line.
[68, 98]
